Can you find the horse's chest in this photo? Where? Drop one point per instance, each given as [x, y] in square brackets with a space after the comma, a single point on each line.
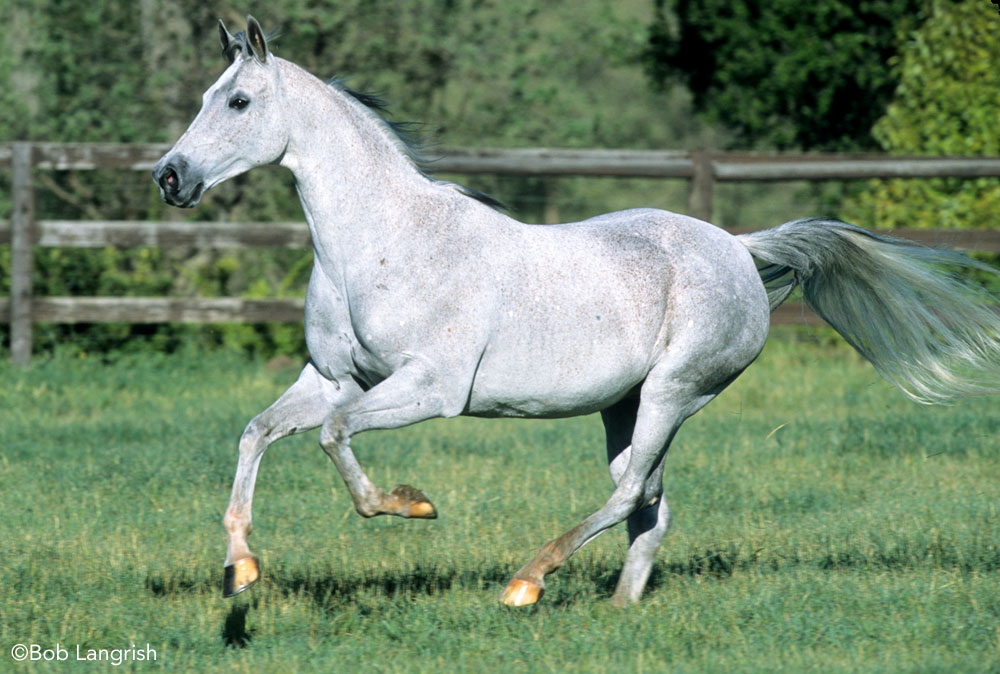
[354, 335]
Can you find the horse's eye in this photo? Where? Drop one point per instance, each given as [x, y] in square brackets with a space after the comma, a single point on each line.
[238, 102]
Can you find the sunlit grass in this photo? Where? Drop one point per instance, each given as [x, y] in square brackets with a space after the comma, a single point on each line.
[821, 522]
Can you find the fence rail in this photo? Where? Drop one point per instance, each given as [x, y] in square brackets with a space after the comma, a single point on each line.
[701, 169]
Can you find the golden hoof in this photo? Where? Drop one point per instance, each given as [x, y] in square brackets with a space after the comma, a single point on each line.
[521, 593]
[424, 510]
[417, 505]
[240, 576]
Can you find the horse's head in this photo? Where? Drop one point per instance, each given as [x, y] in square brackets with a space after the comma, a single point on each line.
[240, 124]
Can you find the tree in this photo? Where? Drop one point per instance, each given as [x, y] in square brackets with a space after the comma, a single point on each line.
[947, 103]
[784, 73]
[478, 72]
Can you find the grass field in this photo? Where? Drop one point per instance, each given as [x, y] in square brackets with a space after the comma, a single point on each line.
[822, 523]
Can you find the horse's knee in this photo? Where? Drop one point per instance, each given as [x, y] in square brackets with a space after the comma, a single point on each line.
[253, 436]
[333, 432]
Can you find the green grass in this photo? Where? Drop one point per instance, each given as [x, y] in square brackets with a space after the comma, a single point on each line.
[822, 522]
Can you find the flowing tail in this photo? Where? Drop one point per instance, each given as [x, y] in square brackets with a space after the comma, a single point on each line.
[927, 329]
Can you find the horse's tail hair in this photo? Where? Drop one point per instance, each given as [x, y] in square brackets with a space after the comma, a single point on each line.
[928, 329]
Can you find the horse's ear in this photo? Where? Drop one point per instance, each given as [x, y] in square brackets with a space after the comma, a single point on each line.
[256, 41]
[229, 46]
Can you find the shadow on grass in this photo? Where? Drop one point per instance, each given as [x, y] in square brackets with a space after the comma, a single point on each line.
[582, 583]
[329, 587]
[172, 584]
[234, 629]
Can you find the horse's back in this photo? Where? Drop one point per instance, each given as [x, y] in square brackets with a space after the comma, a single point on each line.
[715, 300]
[697, 271]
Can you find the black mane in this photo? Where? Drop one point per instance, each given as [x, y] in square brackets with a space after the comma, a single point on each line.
[408, 135]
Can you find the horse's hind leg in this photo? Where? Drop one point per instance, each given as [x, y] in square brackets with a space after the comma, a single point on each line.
[665, 402]
[647, 526]
[302, 407]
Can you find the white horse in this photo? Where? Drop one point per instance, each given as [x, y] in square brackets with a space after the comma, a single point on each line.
[425, 301]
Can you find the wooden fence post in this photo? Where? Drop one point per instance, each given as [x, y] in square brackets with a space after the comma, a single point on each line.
[701, 186]
[21, 253]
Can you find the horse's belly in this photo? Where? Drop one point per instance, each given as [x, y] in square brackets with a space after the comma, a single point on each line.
[550, 383]
[546, 403]
[543, 405]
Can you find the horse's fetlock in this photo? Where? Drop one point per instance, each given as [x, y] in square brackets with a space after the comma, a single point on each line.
[366, 510]
[235, 522]
[370, 505]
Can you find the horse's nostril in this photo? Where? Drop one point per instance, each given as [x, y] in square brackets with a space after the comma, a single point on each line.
[168, 179]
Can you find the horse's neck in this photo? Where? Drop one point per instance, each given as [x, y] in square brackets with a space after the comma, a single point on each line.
[352, 176]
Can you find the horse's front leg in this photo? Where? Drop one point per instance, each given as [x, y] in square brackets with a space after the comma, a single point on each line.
[301, 408]
[410, 395]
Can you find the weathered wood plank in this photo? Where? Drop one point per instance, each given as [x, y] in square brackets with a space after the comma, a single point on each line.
[161, 310]
[795, 313]
[231, 310]
[128, 234]
[88, 156]
[701, 186]
[763, 168]
[969, 240]
[552, 161]
[22, 264]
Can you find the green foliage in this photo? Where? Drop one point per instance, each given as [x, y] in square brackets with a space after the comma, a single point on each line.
[821, 523]
[784, 73]
[477, 72]
[78, 73]
[486, 72]
[946, 104]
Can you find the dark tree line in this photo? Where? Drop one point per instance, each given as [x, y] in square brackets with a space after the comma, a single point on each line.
[785, 73]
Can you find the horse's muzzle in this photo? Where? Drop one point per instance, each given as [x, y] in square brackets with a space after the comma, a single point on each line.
[178, 186]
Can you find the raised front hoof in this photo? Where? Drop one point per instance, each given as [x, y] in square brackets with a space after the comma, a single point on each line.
[413, 502]
[521, 593]
[239, 576]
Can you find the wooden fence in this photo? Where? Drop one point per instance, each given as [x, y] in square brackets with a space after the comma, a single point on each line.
[701, 169]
